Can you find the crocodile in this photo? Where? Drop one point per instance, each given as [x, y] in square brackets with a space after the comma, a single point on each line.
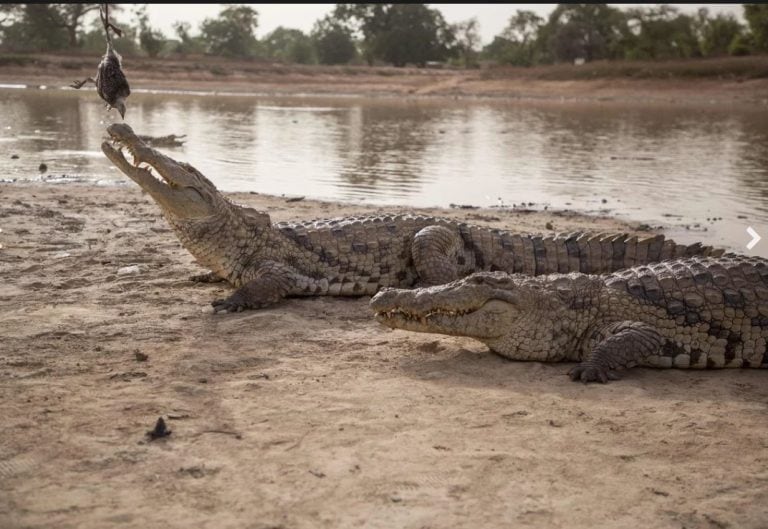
[699, 312]
[352, 256]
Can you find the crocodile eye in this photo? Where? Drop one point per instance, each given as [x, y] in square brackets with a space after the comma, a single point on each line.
[199, 194]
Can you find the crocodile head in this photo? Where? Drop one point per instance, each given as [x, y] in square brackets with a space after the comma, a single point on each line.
[179, 189]
[213, 229]
[517, 316]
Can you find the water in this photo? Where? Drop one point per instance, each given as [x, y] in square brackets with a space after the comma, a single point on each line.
[679, 167]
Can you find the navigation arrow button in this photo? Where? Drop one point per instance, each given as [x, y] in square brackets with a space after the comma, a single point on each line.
[755, 238]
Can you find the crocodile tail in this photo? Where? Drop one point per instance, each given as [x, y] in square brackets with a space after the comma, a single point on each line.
[589, 253]
[609, 252]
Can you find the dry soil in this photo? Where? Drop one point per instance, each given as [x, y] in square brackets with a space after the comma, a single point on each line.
[311, 415]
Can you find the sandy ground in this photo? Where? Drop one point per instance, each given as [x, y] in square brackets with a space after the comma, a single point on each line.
[310, 414]
[555, 83]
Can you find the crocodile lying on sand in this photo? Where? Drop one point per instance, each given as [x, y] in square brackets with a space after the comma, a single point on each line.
[353, 256]
[690, 313]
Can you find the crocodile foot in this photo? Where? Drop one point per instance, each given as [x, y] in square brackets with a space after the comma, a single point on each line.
[592, 373]
[208, 277]
[238, 302]
[234, 303]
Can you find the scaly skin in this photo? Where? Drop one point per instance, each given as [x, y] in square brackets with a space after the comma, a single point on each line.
[356, 255]
[691, 313]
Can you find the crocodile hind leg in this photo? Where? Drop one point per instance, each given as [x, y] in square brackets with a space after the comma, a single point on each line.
[272, 282]
[434, 250]
[624, 344]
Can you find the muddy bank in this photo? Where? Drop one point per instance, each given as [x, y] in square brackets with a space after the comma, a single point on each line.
[737, 80]
[310, 414]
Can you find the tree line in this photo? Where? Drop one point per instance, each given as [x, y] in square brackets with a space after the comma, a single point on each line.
[401, 34]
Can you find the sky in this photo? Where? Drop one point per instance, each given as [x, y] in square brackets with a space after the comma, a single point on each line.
[492, 17]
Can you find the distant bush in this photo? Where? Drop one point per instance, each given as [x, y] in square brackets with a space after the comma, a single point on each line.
[741, 45]
[17, 60]
[232, 33]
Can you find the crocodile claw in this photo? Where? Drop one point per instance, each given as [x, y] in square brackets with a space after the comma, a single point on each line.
[208, 277]
[592, 373]
[238, 302]
[233, 303]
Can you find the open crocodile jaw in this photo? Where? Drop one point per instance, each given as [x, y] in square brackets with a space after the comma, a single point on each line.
[123, 139]
[181, 201]
[140, 175]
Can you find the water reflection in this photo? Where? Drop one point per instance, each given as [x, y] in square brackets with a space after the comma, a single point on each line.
[382, 149]
[656, 164]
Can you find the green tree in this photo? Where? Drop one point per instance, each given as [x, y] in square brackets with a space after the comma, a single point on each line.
[9, 16]
[289, 45]
[70, 17]
[38, 29]
[757, 19]
[467, 34]
[93, 39]
[150, 39]
[333, 41]
[232, 33]
[400, 33]
[663, 33]
[588, 31]
[187, 43]
[8, 12]
[43, 26]
[719, 33]
[367, 19]
[519, 42]
[741, 45]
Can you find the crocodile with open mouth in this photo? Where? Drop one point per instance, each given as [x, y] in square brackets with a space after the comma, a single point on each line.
[695, 312]
[353, 256]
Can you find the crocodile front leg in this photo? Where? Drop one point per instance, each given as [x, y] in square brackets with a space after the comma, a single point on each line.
[625, 344]
[272, 282]
[434, 250]
[208, 277]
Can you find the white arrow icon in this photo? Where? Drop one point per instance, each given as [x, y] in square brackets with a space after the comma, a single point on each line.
[755, 238]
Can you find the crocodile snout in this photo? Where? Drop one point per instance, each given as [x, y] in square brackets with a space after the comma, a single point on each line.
[385, 299]
[416, 302]
[120, 131]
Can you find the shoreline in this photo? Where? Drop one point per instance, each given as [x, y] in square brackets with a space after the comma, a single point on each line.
[612, 219]
[603, 83]
[281, 203]
[687, 230]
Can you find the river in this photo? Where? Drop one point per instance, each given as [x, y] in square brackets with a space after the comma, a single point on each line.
[701, 172]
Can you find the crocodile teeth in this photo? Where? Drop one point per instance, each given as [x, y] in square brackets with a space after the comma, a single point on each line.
[149, 168]
[127, 153]
[447, 312]
[423, 318]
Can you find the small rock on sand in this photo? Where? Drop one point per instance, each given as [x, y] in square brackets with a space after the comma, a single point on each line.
[126, 270]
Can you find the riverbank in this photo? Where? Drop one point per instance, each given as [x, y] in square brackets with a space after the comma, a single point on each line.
[732, 80]
[310, 414]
